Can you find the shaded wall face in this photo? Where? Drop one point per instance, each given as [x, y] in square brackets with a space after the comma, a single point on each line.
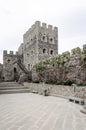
[8, 70]
[30, 56]
[1, 72]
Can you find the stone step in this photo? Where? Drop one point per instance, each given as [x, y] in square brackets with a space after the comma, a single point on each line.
[14, 91]
[9, 84]
[14, 87]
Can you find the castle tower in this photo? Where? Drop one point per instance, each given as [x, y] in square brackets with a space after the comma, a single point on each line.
[40, 43]
[8, 69]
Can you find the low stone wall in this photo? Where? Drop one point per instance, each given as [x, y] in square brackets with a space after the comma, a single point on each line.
[53, 90]
[56, 90]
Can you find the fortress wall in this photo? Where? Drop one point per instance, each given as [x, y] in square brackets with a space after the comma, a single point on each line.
[68, 67]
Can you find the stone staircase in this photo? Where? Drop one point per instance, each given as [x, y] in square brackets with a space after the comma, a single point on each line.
[22, 67]
[12, 87]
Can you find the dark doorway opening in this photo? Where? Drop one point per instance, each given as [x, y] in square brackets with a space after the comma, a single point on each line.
[15, 70]
[16, 77]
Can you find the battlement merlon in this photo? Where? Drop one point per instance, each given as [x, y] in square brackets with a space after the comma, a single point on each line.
[5, 52]
[38, 25]
[75, 51]
[11, 53]
[45, 26]
[84, 47]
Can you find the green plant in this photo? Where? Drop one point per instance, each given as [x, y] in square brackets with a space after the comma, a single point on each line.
[68, 82]
[84, 59]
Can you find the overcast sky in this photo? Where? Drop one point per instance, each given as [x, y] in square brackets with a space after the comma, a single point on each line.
[16, 17]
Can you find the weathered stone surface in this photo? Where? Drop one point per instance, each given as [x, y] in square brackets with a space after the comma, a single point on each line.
[40, 43]
[23, 78]
[69, 68]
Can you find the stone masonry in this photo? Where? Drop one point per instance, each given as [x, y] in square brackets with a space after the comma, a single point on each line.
[8, 69]
[65, 69]
[40, 43]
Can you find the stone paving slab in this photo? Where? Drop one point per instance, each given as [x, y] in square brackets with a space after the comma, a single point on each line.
[26, 111]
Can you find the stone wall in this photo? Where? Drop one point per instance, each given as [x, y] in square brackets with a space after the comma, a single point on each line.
[1, 72]
[67, 68]
[56, 90]
[20, 49]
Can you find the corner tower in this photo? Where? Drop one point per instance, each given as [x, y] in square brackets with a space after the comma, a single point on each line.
[8, 69]
[40, 43]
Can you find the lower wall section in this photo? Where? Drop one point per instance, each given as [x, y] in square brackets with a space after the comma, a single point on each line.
[56, 90]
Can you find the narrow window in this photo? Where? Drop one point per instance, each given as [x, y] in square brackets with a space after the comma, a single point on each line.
[51, 52]
[44, 50]
[8, 60]
[43, 37]
[51, 39]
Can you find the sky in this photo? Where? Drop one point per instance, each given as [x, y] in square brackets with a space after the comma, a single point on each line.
[17, 16]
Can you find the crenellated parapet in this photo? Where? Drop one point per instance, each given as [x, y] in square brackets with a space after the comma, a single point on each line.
[5, 52]
[74, 56]
[38, 25]
[66, 54]
[76, 51]
[45, 26]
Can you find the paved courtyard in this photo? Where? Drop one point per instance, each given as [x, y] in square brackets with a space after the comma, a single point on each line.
[28, 111]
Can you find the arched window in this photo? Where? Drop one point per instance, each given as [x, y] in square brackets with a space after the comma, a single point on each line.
[8, 60]
[51, 52]
[51, 40]
[44, 38]
[44, 50]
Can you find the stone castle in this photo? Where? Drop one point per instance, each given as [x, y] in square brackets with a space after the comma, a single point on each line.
[40, 43]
